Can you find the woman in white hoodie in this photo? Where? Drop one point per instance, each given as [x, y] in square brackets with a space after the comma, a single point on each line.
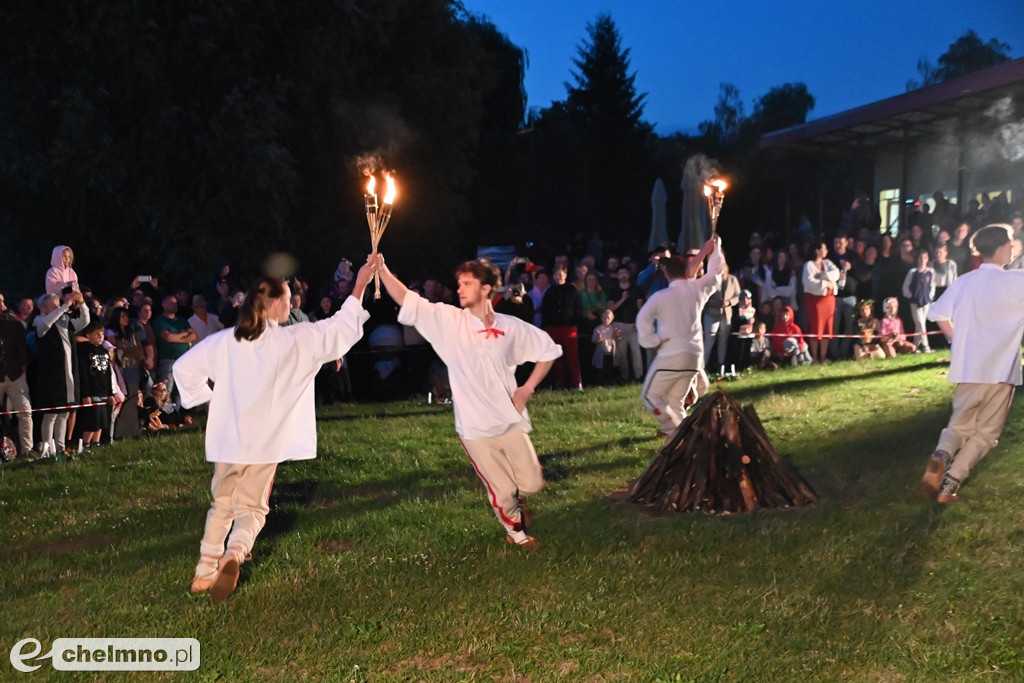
[61, 274]
[261, 412]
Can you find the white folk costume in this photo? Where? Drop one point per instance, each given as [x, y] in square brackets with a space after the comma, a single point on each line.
[481, 371]
[985, 308]
[671, 318]
[261, 413]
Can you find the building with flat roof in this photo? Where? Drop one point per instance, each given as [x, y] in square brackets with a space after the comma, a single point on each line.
[963, 138]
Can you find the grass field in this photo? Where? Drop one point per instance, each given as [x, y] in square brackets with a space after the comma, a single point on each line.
[381, 560]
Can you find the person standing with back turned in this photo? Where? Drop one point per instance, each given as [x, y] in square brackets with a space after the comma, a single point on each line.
[261, 412]
[482, 349]
[670, 322]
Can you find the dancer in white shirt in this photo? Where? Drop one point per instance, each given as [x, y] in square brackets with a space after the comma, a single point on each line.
[670, 322]
[482, 349]
[982, 314]
[261, 412]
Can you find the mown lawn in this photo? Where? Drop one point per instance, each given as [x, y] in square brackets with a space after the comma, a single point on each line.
[382, 561]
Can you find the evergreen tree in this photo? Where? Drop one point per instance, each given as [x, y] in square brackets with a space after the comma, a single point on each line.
[608, 142]
[604, 98]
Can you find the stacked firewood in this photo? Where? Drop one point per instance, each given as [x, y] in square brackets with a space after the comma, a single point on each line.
[720, 461]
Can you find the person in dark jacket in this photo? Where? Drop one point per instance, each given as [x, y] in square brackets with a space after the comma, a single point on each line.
[56, 380]
[516, 303]
[13, 380]
[560, 314]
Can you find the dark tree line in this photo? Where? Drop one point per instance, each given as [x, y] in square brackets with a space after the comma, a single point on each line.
[159, 138]
[162, 137]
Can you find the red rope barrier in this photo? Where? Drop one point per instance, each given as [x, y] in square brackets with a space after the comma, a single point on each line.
[58, 409]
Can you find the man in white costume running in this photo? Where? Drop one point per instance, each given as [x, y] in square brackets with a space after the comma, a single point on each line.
[482, 349]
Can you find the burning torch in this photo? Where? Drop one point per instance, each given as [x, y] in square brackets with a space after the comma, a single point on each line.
[378, 216]
[714, 190]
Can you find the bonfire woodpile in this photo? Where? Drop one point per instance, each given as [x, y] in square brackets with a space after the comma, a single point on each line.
[720, 461]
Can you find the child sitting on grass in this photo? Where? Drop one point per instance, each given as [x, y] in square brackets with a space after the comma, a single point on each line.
[892, 336]
[761, 349]
[788, 340]
[867, 327]
[161, 413]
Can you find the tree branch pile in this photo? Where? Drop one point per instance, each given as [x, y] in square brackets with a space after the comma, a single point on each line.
[720, 461]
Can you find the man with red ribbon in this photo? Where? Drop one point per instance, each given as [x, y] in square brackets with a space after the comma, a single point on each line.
[482, 349]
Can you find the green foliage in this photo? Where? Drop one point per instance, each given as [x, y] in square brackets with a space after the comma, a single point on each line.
[766, 186]
[781, 107]
[966, 54]
[499, 162]
[172, 137]
[725, 129]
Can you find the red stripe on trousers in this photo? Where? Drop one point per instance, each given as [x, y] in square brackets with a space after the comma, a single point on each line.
[490, 492]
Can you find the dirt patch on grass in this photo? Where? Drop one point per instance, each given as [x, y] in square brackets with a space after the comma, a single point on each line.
[75, 544]
[333, 546]
[572, 639]
[445, 662]
[620, 495]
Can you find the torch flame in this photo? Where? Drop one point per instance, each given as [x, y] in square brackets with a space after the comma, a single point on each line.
[389, 196]
[371, 184]
[720, 184]
[707, 190]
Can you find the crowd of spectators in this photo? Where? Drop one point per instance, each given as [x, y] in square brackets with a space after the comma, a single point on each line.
[863, 292]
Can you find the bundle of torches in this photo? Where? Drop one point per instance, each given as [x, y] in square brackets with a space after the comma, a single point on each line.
[378, 216]
[714, 190]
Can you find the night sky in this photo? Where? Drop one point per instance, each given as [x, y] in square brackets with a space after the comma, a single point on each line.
[847, 53]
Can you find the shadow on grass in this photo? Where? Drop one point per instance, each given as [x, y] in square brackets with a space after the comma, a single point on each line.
[556, 469]
[867, 479]
[385, 415]
[870, 464]
[784, 386]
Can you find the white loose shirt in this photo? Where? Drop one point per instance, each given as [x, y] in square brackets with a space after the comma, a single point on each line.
[205, 329]
[673, 314]
[814, 285]
[986, 307]
[261, 404]
[481, 362]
